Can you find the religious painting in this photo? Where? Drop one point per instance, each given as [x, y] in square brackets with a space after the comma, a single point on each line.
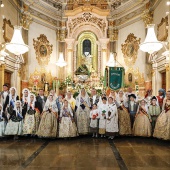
[43, 50]
[130, 49]
[162, 29]
[130, 77]
[8, 30]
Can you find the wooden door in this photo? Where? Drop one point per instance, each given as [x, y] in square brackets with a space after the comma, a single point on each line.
[164, 80]
[7, 78]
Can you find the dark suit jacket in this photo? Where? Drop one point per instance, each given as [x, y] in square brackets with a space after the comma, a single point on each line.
[7, 101]
[135, 106]
[96, 101]
[40, 101]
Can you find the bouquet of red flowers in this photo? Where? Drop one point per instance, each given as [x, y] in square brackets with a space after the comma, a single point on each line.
[94, 116]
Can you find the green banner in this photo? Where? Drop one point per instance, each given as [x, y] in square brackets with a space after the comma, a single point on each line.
[116, 77]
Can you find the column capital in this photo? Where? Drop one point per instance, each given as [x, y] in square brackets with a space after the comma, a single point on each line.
[70, 43]
[103, 43]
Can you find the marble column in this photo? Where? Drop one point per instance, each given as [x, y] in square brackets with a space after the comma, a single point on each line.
[104, 52]
[69, 55]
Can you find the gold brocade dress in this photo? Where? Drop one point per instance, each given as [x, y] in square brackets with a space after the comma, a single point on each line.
[124, 121]
[162, 127]
[142, 125]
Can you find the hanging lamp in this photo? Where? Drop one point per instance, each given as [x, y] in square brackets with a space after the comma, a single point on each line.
[17, 45]
[151, 44]
[111, 62]
[61, 62]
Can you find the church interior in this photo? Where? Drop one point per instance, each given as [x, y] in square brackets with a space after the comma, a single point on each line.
[98, 52]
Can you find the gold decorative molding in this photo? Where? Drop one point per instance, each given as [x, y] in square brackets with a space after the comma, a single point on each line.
[130, 49]
[43, 49]
[26, 20]
[147, 17]
[162, 29]
[113, 34]
[167, 67]
[8, 30]
[61, 35]
[40, 77]
[133, 77]
[87, 17]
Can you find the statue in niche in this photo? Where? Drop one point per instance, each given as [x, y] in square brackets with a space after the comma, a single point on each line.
[87, 57]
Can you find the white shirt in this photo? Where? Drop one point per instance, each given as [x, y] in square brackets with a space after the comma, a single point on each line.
[94, 99]
[132, 105]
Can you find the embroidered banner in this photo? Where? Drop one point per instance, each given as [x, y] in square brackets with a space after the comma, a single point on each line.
[115, 78]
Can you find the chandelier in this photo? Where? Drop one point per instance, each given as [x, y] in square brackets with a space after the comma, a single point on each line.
[151, 44]
[17, 45]
[112, 60]
[61, 62]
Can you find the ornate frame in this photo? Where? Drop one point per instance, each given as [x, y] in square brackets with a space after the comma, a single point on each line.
[162, 30]
[6, 26]
[43, 49]
[130, 49]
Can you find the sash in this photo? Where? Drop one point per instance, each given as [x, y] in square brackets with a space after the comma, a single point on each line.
[144, 112]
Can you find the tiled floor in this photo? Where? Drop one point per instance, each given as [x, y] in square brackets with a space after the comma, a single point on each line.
[85, 154]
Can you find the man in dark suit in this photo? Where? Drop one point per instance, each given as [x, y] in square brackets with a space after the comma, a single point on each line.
[132, 108]
[94, 98]
[41, 99]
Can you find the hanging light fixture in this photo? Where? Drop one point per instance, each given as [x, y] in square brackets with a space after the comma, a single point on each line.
[61, 62]
[17, 45]
[151, 44]
[111, 62]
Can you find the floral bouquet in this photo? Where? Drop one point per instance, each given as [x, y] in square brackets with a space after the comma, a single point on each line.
[104, 113]
[94, 116]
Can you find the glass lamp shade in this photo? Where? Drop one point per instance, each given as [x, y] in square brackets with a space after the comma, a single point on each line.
[111, 62]
[17, 45]
[61, 62]
[151, 44]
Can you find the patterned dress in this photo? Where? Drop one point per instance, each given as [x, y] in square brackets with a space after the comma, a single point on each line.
[48, 123]
[142, 125]
[124, 120]
[15, 123]
[67, 126]
[82, 114]
[162, 127]
[2, 123]
[31, 121]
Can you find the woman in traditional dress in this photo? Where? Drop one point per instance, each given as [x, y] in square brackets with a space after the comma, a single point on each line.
[2, 121]
[32, 117]
[15, 121]
[67, 126]
[103, 108]
[161, 97]
[111, 119]
[11, 99]
[162, 127]
[142, 125]
[94, 117]
[71, 100]
[113, 94]
[48, 123]
[24, 101]
[123, 114]
[83, 112]
[148, 97]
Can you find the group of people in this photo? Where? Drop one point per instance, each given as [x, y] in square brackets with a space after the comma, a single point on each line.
[64, 117]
